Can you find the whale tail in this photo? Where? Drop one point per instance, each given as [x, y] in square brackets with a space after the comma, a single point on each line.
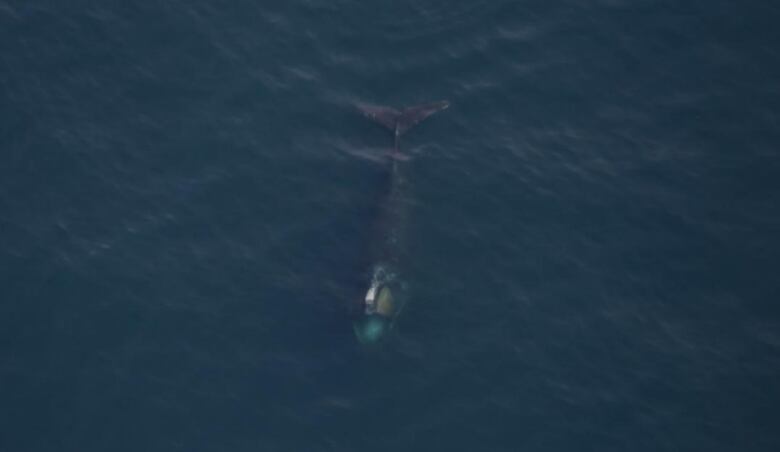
[401, 121]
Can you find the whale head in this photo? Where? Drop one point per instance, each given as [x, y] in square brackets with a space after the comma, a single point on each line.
[375, 322]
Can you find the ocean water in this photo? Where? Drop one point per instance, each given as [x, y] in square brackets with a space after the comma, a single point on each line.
[592, 249]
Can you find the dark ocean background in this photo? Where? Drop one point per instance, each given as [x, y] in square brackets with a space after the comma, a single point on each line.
[592, 250]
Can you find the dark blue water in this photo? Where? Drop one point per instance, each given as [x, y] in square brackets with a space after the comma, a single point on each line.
[593, 247]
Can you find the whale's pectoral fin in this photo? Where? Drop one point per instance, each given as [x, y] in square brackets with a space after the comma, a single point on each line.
[387, 116]
[411, 116]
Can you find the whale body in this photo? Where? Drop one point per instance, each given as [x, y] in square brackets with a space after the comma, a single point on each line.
[382, 302]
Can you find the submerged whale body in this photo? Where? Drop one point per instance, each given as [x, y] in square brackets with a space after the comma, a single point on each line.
[383, 300]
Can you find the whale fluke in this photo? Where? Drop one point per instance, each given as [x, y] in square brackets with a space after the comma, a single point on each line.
[412, 116]
[401, 121]
[387, 116]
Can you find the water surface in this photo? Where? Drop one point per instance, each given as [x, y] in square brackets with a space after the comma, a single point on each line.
[592, 249]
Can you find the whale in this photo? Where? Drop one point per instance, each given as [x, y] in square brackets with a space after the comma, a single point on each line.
[385, 296]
